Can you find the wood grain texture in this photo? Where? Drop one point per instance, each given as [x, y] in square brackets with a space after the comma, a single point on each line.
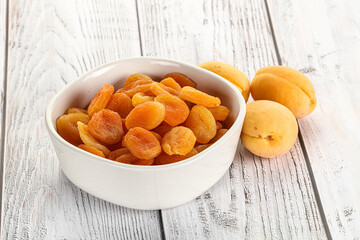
[257, 198]
[50, 44]
[3, 29]
[322, 39]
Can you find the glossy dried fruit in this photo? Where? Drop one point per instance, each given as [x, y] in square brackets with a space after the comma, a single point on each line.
[162, 129]
[140, 98]
[76, 110]
[158, 137]
[163, 158]
[198, 97]
[202, 147]
[148, 115]
[120, 103]
[135, 77]
[142, 143]
[180, 140]
[158, 88]
[135, 87]
[181, 79]
[170, 82]
[218, 135]
[202, 123]
[220, 113]
[130, 158]
[101, 99]
[106, 126]
[117, 153]
[176, 110]
[92, 150]
[218, 125]
[67, 126]
[90, 140]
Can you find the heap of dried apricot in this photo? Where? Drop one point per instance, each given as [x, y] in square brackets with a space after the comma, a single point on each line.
[146, 122]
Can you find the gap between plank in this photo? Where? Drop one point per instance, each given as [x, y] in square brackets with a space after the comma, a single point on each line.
[301, 140]
[2, 157]
[161, 221]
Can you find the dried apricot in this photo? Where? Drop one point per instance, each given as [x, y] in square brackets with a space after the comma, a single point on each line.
[120, 103]
[106, 126]
[162, 129]
[117, 153]
[76, 110]
[220, 113]
[142, 143]
[90, 140]
[218, 125]
[202, 123]
[170, 82]
[135, 87]
[148, 115]
[202, 147]
[181, 79]
[198, 97]
[163, 158]
[140, 98]
[158, 88]
[100, 99]
[92, 150]
[218, 135]
[135, 77]
[180, 141]
[130, 158]
[158, 137]
[67, 126]
[176, 110]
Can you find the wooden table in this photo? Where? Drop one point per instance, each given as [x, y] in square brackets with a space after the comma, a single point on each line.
[312, 192]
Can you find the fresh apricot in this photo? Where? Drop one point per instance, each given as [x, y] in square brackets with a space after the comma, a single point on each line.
[269, 130]
[230, 73]
[286, 86]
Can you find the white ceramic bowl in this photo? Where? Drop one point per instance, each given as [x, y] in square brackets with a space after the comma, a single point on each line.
[145, 187]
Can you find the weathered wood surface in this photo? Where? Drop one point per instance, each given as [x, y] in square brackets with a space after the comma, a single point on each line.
[323, 39]
[50, 44]
[3, 29]
[257, 199]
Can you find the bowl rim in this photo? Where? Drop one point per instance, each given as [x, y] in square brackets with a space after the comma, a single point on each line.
[239, 118]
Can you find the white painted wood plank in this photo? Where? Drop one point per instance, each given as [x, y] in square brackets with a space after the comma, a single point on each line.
[50, 44]
[322, 38]
[257, 199]
[2, 62]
